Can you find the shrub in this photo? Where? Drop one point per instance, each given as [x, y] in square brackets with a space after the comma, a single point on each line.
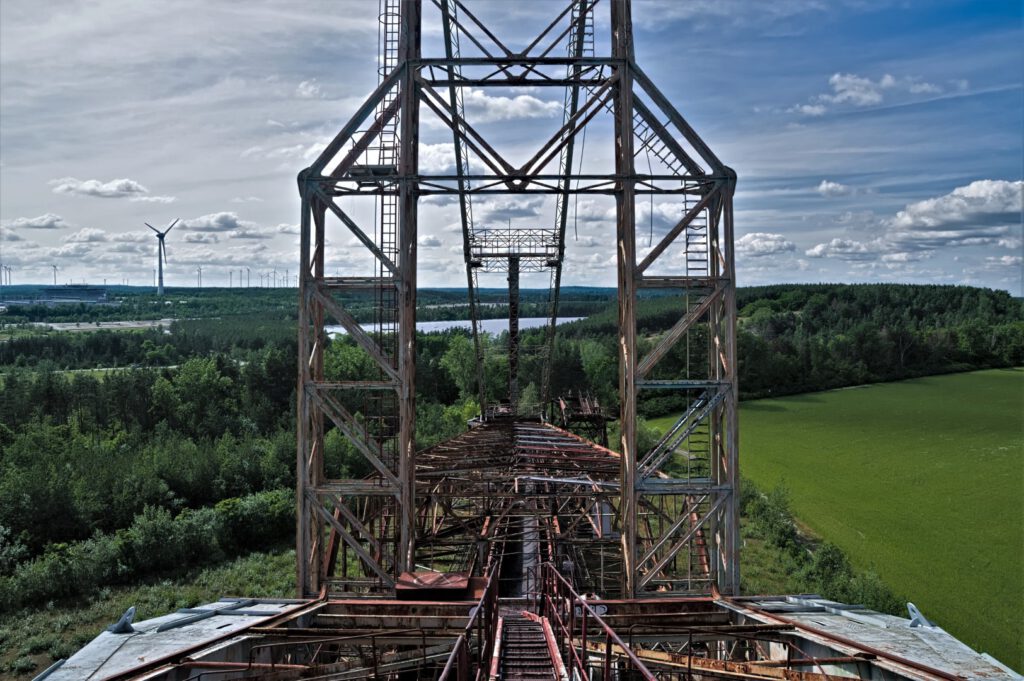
[155, 543]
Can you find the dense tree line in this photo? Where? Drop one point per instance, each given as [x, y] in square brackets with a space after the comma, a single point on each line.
[83, 451]
[124, 303]
[275, 303]
[802, 338]
[208, 413]
[157, 347]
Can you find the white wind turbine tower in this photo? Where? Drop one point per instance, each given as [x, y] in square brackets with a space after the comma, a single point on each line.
[161, 253]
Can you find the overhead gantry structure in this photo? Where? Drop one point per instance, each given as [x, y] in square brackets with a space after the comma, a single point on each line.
[518, 549]
[672, 510]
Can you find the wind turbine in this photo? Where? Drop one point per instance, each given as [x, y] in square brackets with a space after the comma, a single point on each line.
[199, 271]
[161, 253]
[248, 277]
[55, 268]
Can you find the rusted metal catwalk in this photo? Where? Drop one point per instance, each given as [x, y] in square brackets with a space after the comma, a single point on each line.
[474, 635]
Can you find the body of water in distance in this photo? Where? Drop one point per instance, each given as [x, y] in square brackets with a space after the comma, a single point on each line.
[494, 326]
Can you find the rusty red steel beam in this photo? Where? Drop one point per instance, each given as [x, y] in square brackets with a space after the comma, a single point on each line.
[496, 653]
[241, 666]
[703, 667]
[804, 662]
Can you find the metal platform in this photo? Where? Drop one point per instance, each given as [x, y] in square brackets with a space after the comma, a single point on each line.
[801, 638]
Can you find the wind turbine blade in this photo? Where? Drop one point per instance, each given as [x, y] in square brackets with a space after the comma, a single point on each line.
[172, 225]
[151, 227]
[163, 249]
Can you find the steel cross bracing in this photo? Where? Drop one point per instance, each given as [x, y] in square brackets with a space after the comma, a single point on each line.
[556, 632]
[666, 518]
[518, 549]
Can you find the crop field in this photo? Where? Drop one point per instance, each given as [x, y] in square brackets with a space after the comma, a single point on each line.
[921, 481]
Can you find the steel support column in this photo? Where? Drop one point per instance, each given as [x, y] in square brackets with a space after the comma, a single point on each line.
[513, 333]
[730, 473]
[625, 235]
[408, 167]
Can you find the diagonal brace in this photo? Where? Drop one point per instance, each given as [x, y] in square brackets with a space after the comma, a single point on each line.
[677, 547]
[678, 329]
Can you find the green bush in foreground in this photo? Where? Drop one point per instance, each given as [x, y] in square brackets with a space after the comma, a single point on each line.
[58, 630]
[824, 568]
[156, 542]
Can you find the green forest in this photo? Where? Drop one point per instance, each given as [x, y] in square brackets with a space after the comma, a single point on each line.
[128, 454]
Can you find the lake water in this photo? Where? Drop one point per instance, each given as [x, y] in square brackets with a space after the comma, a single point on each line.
[494, 326]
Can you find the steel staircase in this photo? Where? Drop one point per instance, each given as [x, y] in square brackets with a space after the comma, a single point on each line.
[525, 655]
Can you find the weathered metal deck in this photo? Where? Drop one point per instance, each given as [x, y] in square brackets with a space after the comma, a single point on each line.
[766, 638]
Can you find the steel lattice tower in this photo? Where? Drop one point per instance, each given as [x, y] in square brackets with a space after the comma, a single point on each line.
[672, 510]
[517, 549]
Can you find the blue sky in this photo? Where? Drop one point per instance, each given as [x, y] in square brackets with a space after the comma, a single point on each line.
[874, 141]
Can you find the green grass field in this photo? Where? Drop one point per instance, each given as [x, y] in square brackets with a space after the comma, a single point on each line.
[921, 481]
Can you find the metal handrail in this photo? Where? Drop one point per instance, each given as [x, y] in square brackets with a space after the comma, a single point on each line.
[482, 625]
[558, 591]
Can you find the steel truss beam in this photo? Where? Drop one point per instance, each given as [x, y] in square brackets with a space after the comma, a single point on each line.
[672, 511]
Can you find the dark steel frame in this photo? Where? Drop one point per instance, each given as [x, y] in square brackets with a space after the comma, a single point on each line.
[678, 533]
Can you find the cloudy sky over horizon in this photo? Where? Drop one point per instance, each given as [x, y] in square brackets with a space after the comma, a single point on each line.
[875, 140]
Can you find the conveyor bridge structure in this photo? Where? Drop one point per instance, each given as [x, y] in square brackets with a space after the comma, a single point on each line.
[518, 549]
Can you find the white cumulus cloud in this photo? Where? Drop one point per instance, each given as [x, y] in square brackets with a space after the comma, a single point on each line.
[846, 249]
[857, 90]
[201, 238]
[223, 221]
[47, 221]
[808, 109]
[123, 188]
[831, 189]
[851, 89]
[1005, 260]
[87, 235]
[982, 213]
[249, 233]
[484, 108]
[979, 213]
[509, 208]
[759, 244]
[437, 159]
